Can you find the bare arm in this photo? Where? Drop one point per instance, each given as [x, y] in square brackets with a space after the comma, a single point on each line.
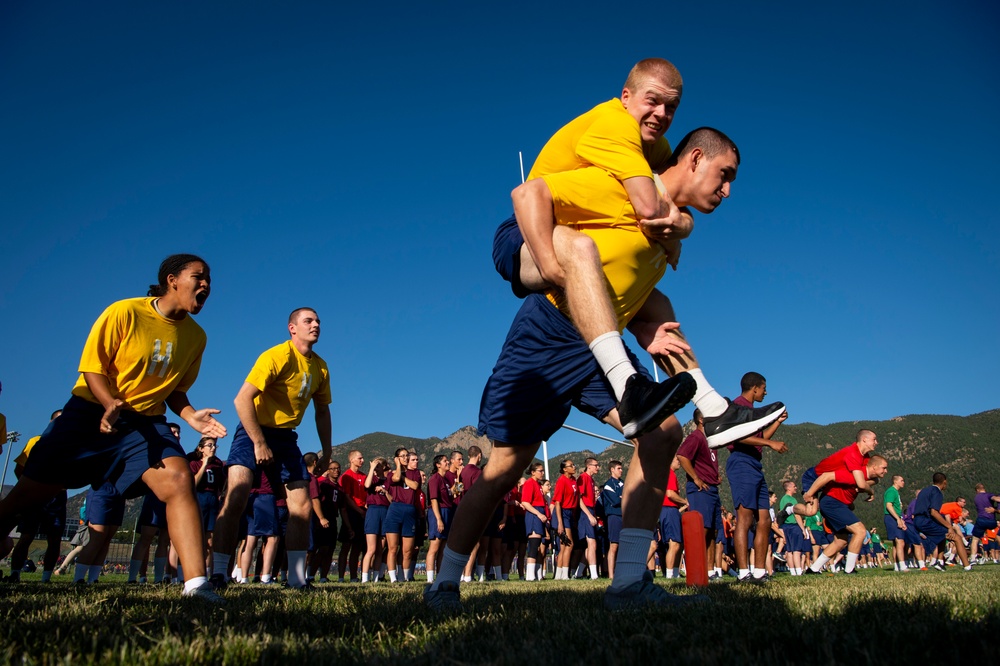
[101, 389]
[248, 419]
[324, 429]
[202, 420]
[780, 447]
[318, 510]
[688, 468]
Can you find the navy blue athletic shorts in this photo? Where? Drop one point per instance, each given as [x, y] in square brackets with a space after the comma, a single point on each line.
[283, 443]
[401, 519]
[73, 453]
[837, 515]
[544, 369]
[375, 519]
[746, 480]
[670, 525]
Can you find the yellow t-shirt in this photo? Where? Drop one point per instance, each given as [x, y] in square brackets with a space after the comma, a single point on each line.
[287, 381]
[23, 457]
[606, 137]
[144, 355]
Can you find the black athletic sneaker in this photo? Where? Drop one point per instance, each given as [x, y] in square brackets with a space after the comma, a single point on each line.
[738, 422]
[218, 582]
[646, 404]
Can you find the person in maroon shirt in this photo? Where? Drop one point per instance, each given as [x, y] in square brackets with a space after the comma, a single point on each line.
[209, 476]
[701, 465]
[401, 519]
[455, 467]
[489, 543]
[377, 503]
[439, 514]
[327, 501]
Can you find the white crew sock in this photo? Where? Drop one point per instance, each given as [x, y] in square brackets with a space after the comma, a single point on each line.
[364, 576]
[852, 560]
[430, 576]
[758, 573]
[529, 571]
[609, 350]
[820, 562]
[265, 578]
[452, 566]
[633, 551]
[296, 568]
[194, 583]
[707, 398]
[237, 572]
[743, 573]
[593, 572]
[133, 569]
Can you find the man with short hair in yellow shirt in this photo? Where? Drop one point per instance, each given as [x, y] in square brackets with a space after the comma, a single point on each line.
[271, 404]
[545, 369]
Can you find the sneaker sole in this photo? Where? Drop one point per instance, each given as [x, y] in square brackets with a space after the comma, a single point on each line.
[718, 440]
[671, 403]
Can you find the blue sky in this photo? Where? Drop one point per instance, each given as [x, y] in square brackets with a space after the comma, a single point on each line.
[359, 159]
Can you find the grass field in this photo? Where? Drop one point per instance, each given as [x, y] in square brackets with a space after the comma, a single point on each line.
[873, 617]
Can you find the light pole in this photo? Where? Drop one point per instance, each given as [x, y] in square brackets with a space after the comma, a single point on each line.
[12, 437]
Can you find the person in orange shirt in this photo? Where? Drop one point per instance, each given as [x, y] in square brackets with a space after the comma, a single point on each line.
[953, 511]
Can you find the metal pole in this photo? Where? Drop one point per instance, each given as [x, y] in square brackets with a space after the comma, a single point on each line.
[606, 439]
[545, 458]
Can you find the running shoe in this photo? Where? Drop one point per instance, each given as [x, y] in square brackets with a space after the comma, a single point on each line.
[646, 404]
[445, 599]
[645, 593]
[738, 422]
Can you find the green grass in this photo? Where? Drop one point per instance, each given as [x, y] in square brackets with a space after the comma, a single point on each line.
[872, 617]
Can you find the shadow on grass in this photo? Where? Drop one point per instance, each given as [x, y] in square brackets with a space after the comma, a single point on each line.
[502, 623]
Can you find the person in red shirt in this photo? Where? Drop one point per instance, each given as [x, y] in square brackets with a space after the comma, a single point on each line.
[837, 506]
[532, 500]
[670, 524]
[587, 518]
[566, 502]
[352, 532]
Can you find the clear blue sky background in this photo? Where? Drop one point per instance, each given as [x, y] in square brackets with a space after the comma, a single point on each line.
[359, 159]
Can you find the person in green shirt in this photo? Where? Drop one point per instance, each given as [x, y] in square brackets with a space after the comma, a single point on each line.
[795, 531]
[895, 527]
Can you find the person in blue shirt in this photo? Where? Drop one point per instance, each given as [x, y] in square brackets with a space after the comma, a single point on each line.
[611, 500]
[928, 519]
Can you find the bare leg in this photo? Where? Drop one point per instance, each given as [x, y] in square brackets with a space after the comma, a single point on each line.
[239, 480]
[172, 484]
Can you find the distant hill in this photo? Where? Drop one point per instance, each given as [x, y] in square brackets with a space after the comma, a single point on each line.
[963, 447]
